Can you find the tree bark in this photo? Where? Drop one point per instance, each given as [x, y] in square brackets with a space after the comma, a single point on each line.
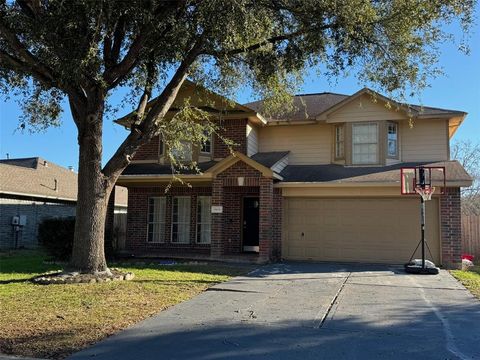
[94, 189]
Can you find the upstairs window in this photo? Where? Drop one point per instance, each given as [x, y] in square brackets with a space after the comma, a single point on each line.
[204, 222]
[392, 140]
[339, 142]
[207, 144]
[365, 143]
[183, 152]
[156, 219]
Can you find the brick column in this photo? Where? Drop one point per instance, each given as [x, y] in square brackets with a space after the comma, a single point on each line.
[451, 229]
[266, 219]
[277, 224]
[216, 246]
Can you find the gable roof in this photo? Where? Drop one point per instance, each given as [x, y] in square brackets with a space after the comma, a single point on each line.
[216, 105]
[317, 106]
[37, 177]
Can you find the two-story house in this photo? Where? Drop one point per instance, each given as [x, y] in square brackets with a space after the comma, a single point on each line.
[321, 183]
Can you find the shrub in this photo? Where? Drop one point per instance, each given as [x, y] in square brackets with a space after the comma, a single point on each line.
[56, 235]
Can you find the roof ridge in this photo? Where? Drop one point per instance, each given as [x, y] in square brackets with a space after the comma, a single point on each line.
[321, 93]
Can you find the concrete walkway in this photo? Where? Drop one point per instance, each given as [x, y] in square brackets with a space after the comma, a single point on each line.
[311, 311]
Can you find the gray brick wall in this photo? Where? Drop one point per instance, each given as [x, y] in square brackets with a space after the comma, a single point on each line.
[35, 211]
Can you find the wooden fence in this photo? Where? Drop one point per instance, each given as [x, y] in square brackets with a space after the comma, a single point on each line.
[471, 235]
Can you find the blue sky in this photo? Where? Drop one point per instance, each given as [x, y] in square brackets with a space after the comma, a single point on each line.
[458, 88]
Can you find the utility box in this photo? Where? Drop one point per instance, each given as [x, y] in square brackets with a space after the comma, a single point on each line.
[19, 220]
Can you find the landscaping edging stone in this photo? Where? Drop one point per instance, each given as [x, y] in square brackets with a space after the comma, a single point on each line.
[79, 278]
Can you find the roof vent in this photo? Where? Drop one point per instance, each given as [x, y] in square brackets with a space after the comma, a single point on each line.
[45, 163]
[70, 168]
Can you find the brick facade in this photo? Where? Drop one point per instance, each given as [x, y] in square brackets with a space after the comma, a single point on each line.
[451, 229]
[234, 130]
[226, 237]
[137, 221]
[149, 151]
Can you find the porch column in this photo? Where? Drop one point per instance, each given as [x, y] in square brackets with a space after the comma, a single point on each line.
[216, 245]
[266, 219]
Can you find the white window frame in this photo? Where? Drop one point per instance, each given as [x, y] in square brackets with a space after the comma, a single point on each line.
[396, 155]
[159, 220]
[376, 143]
[187, 224]
[340, 143]
[200, 225]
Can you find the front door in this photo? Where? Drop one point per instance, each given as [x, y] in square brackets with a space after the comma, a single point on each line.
[250, 224]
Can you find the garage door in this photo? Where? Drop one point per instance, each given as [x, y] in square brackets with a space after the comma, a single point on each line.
[357, 230]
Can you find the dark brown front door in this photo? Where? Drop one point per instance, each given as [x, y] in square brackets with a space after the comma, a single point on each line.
[251, 224]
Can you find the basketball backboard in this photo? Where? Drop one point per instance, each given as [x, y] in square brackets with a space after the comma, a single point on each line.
[413, 178]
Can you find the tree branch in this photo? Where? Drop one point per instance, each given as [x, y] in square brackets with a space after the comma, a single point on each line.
[269, 41]
[24, 54]
[148, 128]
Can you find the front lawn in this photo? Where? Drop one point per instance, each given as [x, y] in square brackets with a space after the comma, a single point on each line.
[470, 279]
[55, 320]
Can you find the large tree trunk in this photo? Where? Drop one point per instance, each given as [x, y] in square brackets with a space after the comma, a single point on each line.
[93, 192]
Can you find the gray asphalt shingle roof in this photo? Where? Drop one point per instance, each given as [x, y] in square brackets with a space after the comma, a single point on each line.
[160, 169]
[308, 106]
[37, 177]
[338, 173]
[305, 106]
[269, 159]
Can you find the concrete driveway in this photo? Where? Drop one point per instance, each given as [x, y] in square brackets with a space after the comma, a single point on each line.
[311, 311]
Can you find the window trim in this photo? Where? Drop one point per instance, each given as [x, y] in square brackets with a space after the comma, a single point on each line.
[211, 145]
[164, 198]
[335, 143]
[197, 222]
[377, 143]
[397, 149]
[189, 220]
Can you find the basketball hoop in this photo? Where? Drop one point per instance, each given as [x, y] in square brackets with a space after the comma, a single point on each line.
[425, 192]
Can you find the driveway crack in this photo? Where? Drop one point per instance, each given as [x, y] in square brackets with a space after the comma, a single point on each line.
[319, 322]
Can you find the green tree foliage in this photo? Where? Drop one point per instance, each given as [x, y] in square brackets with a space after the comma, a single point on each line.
[80, 52]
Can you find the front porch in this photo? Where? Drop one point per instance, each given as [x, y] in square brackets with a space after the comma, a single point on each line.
[229, 218]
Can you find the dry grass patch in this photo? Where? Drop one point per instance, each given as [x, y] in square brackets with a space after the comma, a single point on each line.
[470, 279]
[55, 320]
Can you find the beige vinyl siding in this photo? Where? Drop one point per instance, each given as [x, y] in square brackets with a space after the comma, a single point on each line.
[427, 140]
[252, 139]
[308, 144]
[364, 109]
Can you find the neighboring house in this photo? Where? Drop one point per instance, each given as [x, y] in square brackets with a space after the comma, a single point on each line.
[321, 183]
[32, 189]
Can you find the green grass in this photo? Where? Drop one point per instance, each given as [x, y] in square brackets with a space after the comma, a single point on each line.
[470, 279]
[55, 320]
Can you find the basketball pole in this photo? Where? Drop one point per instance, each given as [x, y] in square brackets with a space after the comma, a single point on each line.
[421, 173]
[422, 211]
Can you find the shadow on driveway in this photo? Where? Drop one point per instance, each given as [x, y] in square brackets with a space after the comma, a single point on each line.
[311, 311]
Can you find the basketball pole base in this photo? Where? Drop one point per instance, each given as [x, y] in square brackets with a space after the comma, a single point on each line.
[412, 268]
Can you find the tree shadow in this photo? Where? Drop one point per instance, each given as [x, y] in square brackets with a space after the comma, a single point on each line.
[348, 338]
